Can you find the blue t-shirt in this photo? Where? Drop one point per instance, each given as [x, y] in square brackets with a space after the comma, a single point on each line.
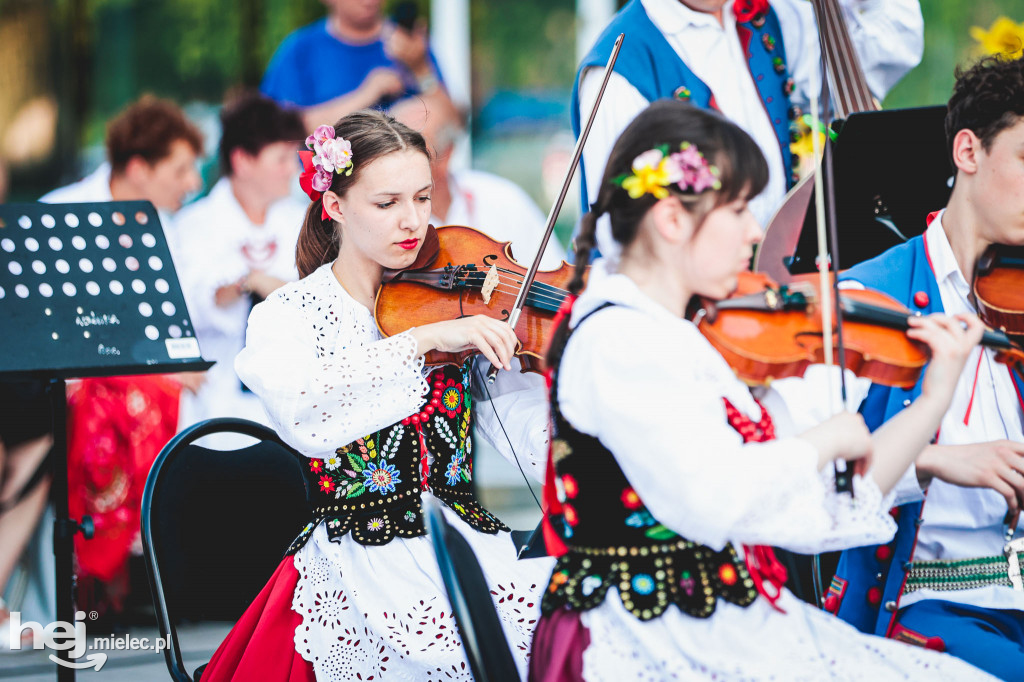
[311, 66]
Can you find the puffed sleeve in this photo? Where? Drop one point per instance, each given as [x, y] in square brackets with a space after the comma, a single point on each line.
[888, 36]
[319, 401]
[512, 415]
[645, 389]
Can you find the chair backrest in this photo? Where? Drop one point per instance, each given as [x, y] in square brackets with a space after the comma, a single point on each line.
[482, 636]
[215, 524]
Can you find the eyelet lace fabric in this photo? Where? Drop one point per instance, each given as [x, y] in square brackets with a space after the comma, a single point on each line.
[315, 358]
[756, 643]
[381, 613]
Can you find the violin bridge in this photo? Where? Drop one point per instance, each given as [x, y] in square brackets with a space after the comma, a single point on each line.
[490, 284]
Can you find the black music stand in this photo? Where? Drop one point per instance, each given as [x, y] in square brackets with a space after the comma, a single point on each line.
[891, 169]
[87, 290]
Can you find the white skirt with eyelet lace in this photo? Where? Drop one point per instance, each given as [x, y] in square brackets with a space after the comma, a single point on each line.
[739, 644]
[382, 612]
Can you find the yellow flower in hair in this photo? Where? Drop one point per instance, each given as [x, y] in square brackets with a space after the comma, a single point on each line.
[652, 173]
[1004, 37]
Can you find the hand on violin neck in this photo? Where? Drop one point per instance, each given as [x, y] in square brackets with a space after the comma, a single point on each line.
[998, 465]
[844, 436]
[494, 338]
[951, 338]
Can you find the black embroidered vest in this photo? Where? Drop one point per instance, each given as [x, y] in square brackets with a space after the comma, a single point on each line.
[372, 487]
[614, 541]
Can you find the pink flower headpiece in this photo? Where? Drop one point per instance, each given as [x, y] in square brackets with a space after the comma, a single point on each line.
[656, 170]
[328, 155]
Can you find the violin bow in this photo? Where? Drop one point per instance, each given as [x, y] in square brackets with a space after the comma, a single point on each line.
[556, 208]
[828, 260]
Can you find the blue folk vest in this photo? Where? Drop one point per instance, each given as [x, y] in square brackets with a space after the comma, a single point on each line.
[653, 67]
[866, 589]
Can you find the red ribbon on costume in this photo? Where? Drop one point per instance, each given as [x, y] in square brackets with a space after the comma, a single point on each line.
[762, 565]
[552, 506]
[306, 180]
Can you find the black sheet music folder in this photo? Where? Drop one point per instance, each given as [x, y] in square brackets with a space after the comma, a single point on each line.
[90, 290]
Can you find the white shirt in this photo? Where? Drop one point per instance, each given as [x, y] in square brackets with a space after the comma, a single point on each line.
[96, 187]
[502, 210]
[888, 37]
[93, 187]
[218, 245]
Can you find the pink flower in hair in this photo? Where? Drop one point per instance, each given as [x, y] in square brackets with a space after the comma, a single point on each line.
[335, 155]
[319, 136]
[696, 173]
[322, 180]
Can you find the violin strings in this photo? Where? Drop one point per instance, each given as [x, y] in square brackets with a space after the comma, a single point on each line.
[512, 287]
[512, 291]
[516, 279]
[538, 287]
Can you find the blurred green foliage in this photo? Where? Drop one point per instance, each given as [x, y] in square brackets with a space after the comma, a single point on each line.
[947, 43]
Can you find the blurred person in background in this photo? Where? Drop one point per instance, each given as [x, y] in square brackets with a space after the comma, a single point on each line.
[237, 246]
[755, 62]
[487, 202]
[353, 59]
[117, 425]
[25, 441]
[152, 150]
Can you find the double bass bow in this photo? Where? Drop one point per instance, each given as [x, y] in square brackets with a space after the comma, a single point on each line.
[461, 272]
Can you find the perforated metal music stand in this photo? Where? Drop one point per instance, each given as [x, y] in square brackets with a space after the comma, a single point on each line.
[87, 290]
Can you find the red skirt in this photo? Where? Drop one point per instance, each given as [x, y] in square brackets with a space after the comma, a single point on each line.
[261, 646]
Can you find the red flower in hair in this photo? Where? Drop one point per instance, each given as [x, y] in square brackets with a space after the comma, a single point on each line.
[745, 10]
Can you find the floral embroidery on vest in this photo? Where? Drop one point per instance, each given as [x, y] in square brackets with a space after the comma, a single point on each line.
[371, 487]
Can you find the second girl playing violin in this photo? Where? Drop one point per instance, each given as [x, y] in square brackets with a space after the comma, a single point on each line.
[360, 595]
[666, 475]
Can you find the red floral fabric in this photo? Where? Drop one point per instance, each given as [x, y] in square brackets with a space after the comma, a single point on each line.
[116, 428]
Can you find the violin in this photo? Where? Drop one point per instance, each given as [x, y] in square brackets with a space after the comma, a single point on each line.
[999, 288]
[461, 272]
[766, 332]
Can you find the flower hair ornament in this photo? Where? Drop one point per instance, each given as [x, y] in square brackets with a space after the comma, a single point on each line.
[656, 170]
[327, 155]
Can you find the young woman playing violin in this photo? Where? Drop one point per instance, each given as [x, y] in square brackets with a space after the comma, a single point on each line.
[359, 595]
[667, 479]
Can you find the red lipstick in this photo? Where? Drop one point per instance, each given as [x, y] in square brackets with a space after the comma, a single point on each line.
[409, 244]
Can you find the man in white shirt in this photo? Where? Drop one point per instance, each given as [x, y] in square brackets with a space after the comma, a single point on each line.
[947, 581]
[752, 62]
[237, 245]
[484, 201]
[151, 155]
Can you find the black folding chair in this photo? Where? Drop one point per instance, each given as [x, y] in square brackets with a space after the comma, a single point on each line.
[215, 525]
[482, 637]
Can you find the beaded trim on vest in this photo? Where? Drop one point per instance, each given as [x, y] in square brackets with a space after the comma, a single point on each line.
[372, 487]
[614, 541]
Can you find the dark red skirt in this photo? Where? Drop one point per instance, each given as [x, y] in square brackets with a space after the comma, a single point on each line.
[558, 645]
[261, 646]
